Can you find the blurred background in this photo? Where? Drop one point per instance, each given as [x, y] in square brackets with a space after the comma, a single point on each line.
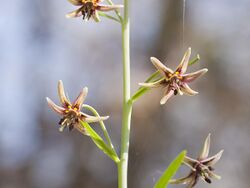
[38, 46]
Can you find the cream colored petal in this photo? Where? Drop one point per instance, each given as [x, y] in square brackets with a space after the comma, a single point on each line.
[155, 84]
[206, 147]
[169, 93]
[81, 129]
[184, 180]
[213, 175]
[64, 100]
[182, 67]
[165, 71]
[105, 8]
[190, 162]
[96, 17]
[193, 76]
[75, 2]
[81, 98]
[55, 107]
[212, 160]
[193, 182]
[75, 13]
[92, 119]
[187, 90]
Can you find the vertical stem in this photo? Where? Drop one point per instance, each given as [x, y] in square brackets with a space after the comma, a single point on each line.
[127, 104]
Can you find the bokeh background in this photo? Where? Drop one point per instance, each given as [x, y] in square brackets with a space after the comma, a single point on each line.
[38, 46]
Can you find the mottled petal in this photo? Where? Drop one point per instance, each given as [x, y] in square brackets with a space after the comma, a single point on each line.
[96, 17]
[81, 129]
[165, 71]
[206, 147]
[92, 119]
[213, 175]
[184, 180]
[212, 160]
[80, 99]
[182, 68]
[54, 107]
[192, 76]
[106, 8]
[75, 13]
[64, 100]
[76, 2]
[190, 162]
[155, 84]
[187, 90]
[169, 93]
[193, 182]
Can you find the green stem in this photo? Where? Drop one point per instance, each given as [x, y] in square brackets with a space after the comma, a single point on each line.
[105, 132]
[127, 104]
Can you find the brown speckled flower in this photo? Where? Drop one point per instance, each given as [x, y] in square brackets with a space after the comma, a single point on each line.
[71, 112]
[89, 9]
[202, 167]
[175, 82]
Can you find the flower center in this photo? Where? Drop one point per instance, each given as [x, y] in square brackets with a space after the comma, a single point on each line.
[88, 9]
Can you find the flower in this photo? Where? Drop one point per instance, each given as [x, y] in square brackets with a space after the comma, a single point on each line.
[200, 167]
[175, 82]
[71, 112]
[90, 8]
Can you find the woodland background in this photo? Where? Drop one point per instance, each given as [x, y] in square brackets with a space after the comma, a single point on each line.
[38, 46]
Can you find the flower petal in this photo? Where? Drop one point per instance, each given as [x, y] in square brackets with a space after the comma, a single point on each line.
[187, 90]
[193, 182]
[75, 2]
[205, 150]
[80, 99]
[64, 100]
[54, 107]
[212, 160]
[190, 162]
[192, 76]
[92, 119]
[95, 16]
[106, 8]
[168, 93]
[184, 180]
[81, 129]
[182, 68]
[75, 13]
[155, 84]
[165, 71]
[213, 175]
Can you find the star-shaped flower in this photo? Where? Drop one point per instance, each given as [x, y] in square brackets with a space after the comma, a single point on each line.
[175, 82]
[202, 167]
[90, 8]
[71, 112]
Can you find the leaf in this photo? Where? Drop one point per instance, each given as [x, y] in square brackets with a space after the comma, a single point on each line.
[171, 171]
[100, 142]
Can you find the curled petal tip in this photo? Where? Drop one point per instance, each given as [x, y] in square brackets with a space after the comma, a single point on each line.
[68, 16]
[105, 117]
[85, 90]
[205, 70]
[54, 107]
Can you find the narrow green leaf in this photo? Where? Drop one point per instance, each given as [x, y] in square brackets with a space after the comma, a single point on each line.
[171, 171]
[100, 142]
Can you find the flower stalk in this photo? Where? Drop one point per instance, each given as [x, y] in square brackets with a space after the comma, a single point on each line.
[127, 104]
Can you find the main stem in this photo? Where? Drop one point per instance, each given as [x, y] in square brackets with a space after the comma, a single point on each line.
[127, 104]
